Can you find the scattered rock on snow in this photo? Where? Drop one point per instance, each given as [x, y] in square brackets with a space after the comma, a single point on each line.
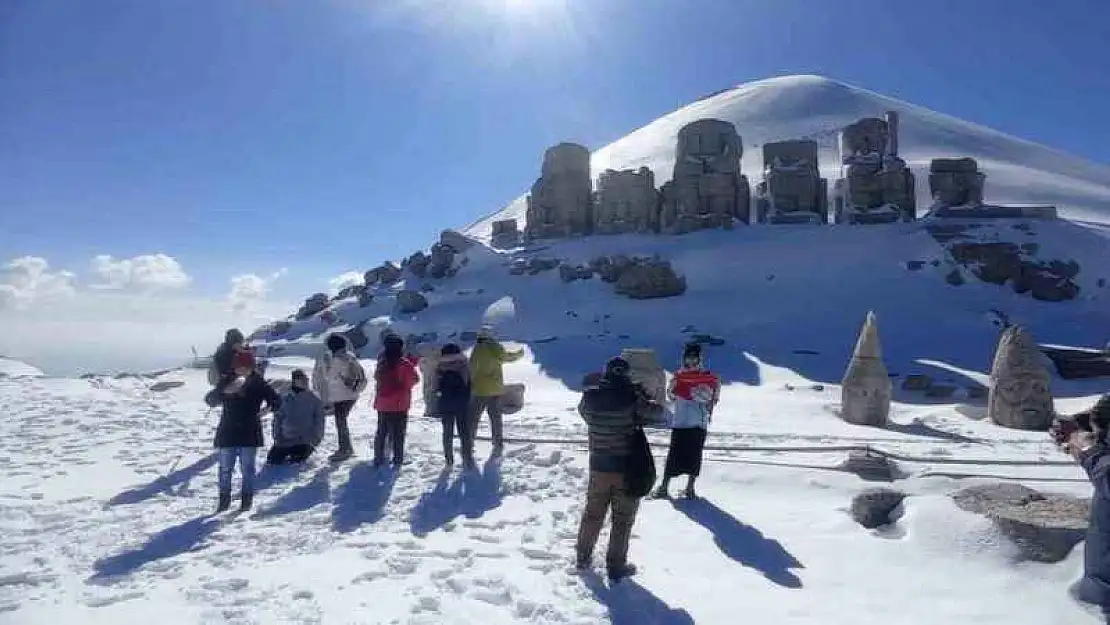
[410, 302]
[915, 265]
[874, 507]
[650, 280]
[870, 466]
[955, 278]
[1045, 527]
[917, 382]
[165, 385]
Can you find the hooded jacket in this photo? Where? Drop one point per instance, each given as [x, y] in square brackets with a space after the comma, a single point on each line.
[393, 386]
[300, 420]
[1095, 585]
[240, 424]
[487, 378]
[612, 409]
[694, 393]
[452, 385]
[338, 376]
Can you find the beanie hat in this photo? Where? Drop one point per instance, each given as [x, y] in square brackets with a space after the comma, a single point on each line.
[243, 359]
[618, 367]
[450, 349]
[692, 350]
[486, 332]
[299, 375]
[336, 342]
[233, 335]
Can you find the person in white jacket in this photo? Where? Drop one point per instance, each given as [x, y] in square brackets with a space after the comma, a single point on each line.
[694, 392]
[338, 378]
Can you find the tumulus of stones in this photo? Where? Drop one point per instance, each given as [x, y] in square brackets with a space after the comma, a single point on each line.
[1045, 527]
[1020, 396]
[874, 507]
[866, 389]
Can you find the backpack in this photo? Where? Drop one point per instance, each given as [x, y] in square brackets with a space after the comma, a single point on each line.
[639, 472]
[451, 384]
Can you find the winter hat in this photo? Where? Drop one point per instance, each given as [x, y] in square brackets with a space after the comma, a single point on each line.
[300, 375]
[486, 332]
[243, 359]
[336, 342]
[450, 349]
[233, 336]
[617, 367]
[692, 350]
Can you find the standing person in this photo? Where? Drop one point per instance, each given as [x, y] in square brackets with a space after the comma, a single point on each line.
[394, 377]
[222, 369]
[452, 395]
[612, 410]
[239, 434]
[488, 384]
[339, 379]
[695, 392]
[298, 424]
[1089, 447]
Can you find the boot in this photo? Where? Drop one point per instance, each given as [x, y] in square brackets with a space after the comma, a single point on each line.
[246, 501]
[661, 492]
[341, 455]
[582, 563]
[619, 572]
[224, 502]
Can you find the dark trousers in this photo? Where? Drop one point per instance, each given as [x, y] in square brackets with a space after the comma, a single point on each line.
[605, 492]
[342, 411]
[391, 425]
[289, 454]
[492, 405]
[459, 421]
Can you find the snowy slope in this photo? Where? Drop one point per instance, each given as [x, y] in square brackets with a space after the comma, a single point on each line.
[104, 517]
[792, 107]
[17, 369]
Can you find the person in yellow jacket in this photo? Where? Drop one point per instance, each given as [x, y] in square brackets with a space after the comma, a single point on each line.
[488, 384]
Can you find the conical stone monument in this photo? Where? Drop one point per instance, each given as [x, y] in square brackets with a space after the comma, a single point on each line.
[866, 389]
[1020, 395]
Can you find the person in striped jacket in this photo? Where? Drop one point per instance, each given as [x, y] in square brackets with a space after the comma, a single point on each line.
[694, 392]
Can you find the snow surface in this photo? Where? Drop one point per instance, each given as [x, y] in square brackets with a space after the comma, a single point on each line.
[104, 517]
[12, 368]
[815, 107]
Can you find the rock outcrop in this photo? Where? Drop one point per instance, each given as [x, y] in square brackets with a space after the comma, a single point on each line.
[315, 304]
[417, 264]
[875, 186]
[1045, 527]
[356, 337]
[626, 201]
[875, 507]
[870, 466]
[650, 279]
[707, 189]
[866, 390]
[792, 190]
[561, 201]
[956, 182]
[411, 302]
[385, 275]
[1020, 396]
[505, 234]
[455, 241]
[442, 261]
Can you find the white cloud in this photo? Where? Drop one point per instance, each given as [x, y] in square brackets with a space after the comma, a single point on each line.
[250, 290]
[47, 320]
[27, 280]
[149, 272]
[344, 280]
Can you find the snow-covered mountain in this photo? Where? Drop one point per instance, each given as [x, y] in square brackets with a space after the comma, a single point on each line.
[815, 107]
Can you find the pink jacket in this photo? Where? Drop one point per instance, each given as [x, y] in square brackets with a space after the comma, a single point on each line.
[393, 389]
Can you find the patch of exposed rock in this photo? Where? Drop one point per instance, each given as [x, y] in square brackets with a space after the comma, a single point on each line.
[875, 507]
[1044, 526]
[411, 302]
[870, 466]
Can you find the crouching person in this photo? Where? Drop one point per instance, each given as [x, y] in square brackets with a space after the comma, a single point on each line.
[298, 424]
[612, 409]
[239, 434]
[1084, 438]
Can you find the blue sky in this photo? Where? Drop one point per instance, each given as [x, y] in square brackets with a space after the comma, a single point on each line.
[250, 135]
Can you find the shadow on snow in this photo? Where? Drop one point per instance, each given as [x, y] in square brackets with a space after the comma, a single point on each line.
[174, 541]
[167, 484]
[471, 495]
[304, 497]
[629, 603]
[743, 543]
[363, 498]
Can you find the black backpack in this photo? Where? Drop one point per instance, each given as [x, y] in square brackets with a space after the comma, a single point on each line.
[452, 385]
[639, 473]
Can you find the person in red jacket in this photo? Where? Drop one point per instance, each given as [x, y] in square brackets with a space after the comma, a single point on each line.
[394, 377]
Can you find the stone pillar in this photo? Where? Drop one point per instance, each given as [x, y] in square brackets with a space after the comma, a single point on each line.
[1020, 396]
[866, 389]
[892, 133]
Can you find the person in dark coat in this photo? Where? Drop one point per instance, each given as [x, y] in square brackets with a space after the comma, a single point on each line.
[611, 409]
[298, 425]
[1090, 448]
[239, 434]
[222, 369]
[452, 393]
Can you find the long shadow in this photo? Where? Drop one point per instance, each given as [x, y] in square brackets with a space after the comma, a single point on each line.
[271, 475]
[918, 428]
[362, 499]
[168, 543]
[629, 603]
[482, 491]
[164, 484]
[438, 506]
[743, 543]
[303, 497]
